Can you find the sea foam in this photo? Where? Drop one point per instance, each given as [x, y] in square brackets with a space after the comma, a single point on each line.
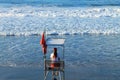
[28, 20]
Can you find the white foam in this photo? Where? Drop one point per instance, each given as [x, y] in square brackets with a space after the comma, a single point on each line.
[27, 20]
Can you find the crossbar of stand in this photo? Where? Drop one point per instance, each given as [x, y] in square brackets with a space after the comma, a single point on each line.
[59, 69]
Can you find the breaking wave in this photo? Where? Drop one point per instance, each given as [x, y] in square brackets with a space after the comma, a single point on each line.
[28, 20]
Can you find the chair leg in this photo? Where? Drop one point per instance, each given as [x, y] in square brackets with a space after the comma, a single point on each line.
[63, 75]
[45, 77]
[60, 76]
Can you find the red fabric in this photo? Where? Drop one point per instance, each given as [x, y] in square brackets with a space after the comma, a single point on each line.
[54, 65]
[43, 44]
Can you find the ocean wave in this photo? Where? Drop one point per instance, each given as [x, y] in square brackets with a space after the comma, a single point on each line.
[28, 20]
[82, 12]
[12, 64]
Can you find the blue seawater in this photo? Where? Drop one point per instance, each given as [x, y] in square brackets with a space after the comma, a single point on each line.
[63, 2]
[31, 17]
[88, 56]
[91, 29]
[22, 21]
[80, 50]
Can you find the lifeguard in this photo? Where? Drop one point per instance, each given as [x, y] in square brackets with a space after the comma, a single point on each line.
[54, 58]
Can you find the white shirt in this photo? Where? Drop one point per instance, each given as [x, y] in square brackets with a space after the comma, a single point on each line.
[52, 57]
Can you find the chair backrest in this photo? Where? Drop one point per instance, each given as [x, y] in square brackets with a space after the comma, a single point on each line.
[54, 66]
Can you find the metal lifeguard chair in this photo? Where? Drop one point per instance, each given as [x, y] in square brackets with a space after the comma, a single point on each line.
[59, 42]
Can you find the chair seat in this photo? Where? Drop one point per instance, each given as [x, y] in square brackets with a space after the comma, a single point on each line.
[58, 65]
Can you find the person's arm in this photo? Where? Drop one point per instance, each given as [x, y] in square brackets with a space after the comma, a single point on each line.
[51, 56]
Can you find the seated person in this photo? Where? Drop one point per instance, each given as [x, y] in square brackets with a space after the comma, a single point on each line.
[54, 58]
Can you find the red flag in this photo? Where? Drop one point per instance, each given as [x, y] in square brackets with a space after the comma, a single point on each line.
[43, 44]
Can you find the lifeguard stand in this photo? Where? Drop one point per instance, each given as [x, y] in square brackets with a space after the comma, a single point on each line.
[47, 62]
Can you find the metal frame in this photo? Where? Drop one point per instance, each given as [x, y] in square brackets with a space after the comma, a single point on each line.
[47, 62]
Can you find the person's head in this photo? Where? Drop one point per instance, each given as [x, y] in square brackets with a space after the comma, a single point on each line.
[55, 52]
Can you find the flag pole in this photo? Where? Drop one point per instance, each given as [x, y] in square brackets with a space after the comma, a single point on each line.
[44, 56]
[45, 32]
[45, 36]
